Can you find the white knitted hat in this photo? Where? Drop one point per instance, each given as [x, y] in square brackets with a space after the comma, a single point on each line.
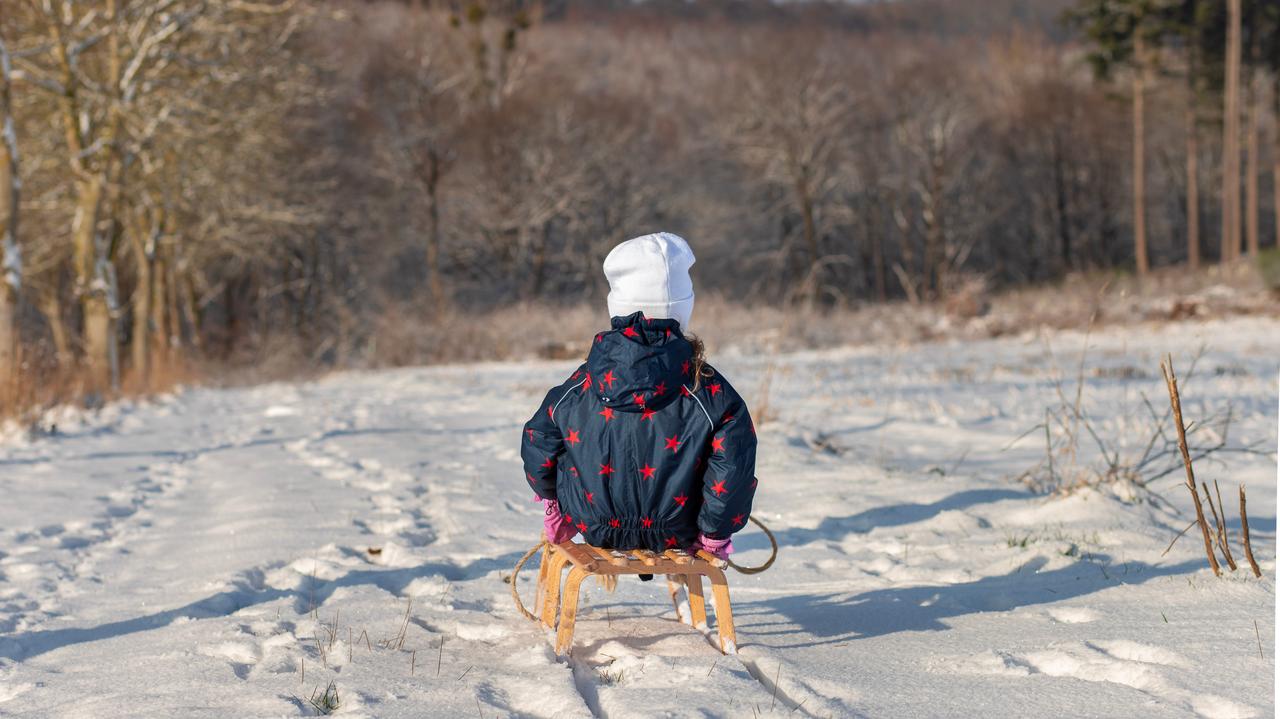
[650, 274]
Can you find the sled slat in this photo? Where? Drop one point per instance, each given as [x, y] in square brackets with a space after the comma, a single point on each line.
[579, 557]
[712, 559]
[604, 555]
[679, 556]
[645, 556]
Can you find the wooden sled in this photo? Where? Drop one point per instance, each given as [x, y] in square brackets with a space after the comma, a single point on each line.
[587, 561]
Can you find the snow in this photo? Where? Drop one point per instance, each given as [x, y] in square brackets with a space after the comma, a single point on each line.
[208, 553]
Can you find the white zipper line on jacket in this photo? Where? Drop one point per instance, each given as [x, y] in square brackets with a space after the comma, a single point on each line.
[703, 407]
[566, 394]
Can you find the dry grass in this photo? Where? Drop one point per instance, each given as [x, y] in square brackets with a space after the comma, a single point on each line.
[43, 383]
[402, 335]
[557, 331]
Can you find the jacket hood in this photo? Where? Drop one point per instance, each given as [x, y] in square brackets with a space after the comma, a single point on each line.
[639, 363]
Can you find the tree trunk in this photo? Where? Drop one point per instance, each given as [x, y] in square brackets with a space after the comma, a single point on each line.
[934, 231]
[1060, 202]
[1193, 187]
[159, 350]
[434, 285]
[10, 262]
[540, 258]
[8, 337]
[50, 306]
[90, 286]
[809, 227]
[173, 290]
[1275, 155]
[905, 269]
[190, 307]
[1231, 139]
[1251, 165]
[877, 255]
[1139, 159]
[142, 244]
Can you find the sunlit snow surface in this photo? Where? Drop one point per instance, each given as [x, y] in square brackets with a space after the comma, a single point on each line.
[194, 555]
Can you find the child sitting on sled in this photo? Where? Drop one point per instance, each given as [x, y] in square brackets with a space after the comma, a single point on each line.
[645, 445]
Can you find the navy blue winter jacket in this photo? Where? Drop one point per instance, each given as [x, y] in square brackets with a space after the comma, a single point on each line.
[635, 456]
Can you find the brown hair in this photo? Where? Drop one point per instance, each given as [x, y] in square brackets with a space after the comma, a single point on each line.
[699, 360]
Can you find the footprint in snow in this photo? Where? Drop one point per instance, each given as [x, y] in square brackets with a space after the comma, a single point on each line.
[1072, 615]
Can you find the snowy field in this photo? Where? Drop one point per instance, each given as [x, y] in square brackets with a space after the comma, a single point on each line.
[198, 555]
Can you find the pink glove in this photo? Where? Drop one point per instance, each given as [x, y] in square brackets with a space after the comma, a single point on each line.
[722, 548]
[557, 527]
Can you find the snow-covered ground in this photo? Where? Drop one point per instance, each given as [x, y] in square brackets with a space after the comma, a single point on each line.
[198, 555]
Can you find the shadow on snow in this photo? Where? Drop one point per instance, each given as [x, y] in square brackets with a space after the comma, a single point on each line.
[247, 591]
[832, 618]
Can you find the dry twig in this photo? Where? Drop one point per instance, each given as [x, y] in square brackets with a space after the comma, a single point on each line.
[1175, 539]
[1244, 530]
[1171, 380]
[1217, 527]
[1222, 528]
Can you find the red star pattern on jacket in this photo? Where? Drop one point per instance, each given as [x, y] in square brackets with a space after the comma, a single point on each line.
[722, 453]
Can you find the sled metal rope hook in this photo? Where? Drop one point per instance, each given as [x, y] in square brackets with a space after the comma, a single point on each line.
[515, 572]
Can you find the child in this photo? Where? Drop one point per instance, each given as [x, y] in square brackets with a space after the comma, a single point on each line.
[645, 446]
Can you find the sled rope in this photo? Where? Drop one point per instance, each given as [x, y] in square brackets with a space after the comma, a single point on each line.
[773, 542]
[515, 572]
[515, 594]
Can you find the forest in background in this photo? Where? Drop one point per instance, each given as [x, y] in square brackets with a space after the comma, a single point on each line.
[201, 183]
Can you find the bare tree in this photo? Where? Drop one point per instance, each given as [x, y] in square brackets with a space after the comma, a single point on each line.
[1231, 137]
[1141, 70]
[791, 127]
[10, 194]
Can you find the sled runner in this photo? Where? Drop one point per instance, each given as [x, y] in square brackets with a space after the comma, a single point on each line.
[585, 561]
